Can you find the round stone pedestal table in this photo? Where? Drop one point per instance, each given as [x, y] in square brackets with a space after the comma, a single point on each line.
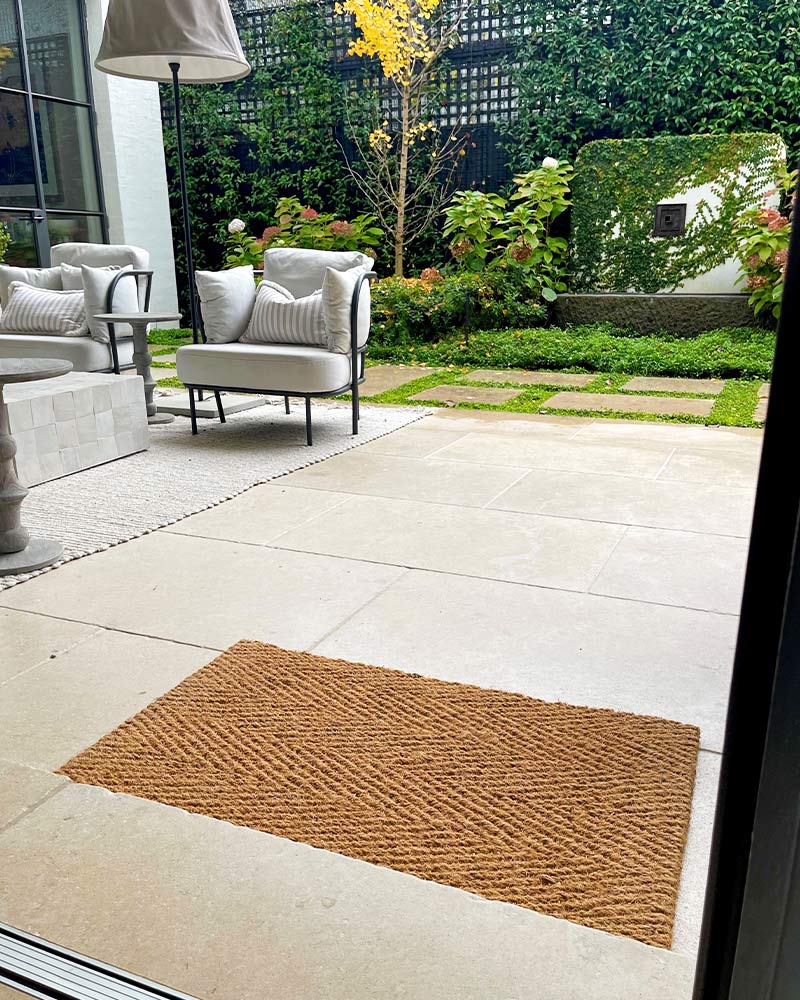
[142, 357]
[19, 553]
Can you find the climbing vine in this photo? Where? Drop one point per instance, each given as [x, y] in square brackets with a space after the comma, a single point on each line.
[618, 183]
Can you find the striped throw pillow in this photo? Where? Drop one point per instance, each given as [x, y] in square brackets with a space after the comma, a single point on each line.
[43, 311]
[279, 318]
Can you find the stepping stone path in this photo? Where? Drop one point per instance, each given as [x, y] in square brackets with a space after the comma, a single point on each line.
[599, 401]
[704, 386]
[383, 378]
[530, 378]
[760, 414]
[467, 394]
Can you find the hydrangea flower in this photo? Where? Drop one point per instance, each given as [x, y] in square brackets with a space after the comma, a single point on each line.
[309, 213]
[236, 226]
[340, 228]
[549, 161]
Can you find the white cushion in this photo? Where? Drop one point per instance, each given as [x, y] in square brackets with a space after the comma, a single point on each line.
[86, 354]
[39, 277]
[337, 300]
[226, 302]
[303, 271]
[287, 368]
[71, 279]
[43, 311]
[96, 282]
[100, 255]
[279, 318]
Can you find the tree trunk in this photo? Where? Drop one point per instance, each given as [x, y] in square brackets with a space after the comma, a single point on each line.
[402, 184]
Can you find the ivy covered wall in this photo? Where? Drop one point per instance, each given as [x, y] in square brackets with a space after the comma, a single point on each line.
[618, 184]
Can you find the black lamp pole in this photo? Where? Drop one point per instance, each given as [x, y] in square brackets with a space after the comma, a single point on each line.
[187, 225]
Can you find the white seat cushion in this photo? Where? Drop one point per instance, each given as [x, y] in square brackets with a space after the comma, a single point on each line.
[85, 353]
[277, 367]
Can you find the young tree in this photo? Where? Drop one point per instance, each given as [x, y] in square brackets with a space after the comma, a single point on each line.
[406, 161]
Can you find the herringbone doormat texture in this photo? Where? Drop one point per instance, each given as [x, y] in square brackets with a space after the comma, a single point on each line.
[580, 813]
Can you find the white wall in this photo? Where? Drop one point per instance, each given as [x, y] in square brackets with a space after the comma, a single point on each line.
[132, 165]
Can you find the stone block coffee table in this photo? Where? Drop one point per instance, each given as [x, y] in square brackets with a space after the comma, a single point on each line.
[19, 553]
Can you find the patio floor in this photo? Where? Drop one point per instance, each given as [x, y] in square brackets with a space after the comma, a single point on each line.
[597, 562]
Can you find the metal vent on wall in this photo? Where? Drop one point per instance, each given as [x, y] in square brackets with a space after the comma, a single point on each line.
[670, 220]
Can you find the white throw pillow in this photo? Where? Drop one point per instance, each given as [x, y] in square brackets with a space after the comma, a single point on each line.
[96, 282]
[226, 302]
[38, 277]
[279, 318]
[337, 298]
[43, 311]
[303, 271]
[71, 278]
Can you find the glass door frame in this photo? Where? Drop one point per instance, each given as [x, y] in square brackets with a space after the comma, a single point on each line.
[39, 213]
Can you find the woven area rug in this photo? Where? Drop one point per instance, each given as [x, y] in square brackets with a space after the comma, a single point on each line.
[581, 813]
[181, 475]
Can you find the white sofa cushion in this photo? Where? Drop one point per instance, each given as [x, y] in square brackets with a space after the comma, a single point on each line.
[102, 255]
[44, 311]
[96, 282]
[279, 318]
[71, 279]
[337, 299]
[39, 277]
[287, 368]
[226, 302]
[303, 271]
[86, 354]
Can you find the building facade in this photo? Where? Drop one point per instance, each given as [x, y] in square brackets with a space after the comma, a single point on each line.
[98, 174]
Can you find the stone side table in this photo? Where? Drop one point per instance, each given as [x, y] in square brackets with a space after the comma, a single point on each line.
[141, 353]
[19, 553]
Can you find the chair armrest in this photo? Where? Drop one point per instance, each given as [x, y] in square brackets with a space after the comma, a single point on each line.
[368, 276]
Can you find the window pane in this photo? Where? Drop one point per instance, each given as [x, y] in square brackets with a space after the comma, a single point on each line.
[10, 71]
[66, 155]
[71, 229]
[53, 35]
[16, 153]
[22, 250]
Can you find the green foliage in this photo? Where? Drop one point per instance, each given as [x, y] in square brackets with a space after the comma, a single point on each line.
[488, 234]
[618, 183]
[764, 248]
[298, 225]
[409, 311]
[644, 68]
[731, 353]
[5, 241]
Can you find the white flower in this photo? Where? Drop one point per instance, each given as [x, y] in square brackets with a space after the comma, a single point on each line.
[549, 161]
[236, 226]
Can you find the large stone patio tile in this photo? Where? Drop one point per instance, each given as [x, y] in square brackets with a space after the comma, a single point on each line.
[524, 548]
[467, 394]
[621, 403]
[676, 567]
[559, 646]
[21, 788]
[529, 378]
[207, 592]
[739, 439]
[702, 507]
[260, 514]
[419, 440]
[534, 451]
[50, 713]
[436, 481]
[226, 912]
[383, 378]
[26, 640]
[731, 467]
[493, 421]
[703, 386]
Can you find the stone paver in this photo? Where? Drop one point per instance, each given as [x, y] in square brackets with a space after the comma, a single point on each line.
[763, 392]
[466, 394]
[383, 378]
[760, 414]
[705, 386]
[661, 405]
[530, 378]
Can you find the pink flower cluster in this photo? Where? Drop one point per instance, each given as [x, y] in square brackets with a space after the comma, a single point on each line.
[772, 219]
[340, 228]
[756, 281]
[309, 213]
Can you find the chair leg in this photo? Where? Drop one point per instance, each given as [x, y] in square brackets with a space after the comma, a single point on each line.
[220, 411]
[308, 421]
[193, 411]
[355, 405]
[286, 401]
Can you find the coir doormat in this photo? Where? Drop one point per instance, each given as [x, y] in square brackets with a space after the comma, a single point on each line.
[580, 813]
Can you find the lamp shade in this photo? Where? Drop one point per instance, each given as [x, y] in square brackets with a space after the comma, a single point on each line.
[142, 37]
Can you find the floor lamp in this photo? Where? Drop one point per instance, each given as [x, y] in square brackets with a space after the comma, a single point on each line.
[173, 41]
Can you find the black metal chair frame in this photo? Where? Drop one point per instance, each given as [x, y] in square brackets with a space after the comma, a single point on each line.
[357, 356]
[112, 336]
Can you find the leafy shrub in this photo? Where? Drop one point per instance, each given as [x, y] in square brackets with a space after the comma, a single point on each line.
[5, 241]
[297, 225]
[488, 232]
[434, 307]
[764, 248]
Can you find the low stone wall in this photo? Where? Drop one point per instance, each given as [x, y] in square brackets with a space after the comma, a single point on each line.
[681, 314]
